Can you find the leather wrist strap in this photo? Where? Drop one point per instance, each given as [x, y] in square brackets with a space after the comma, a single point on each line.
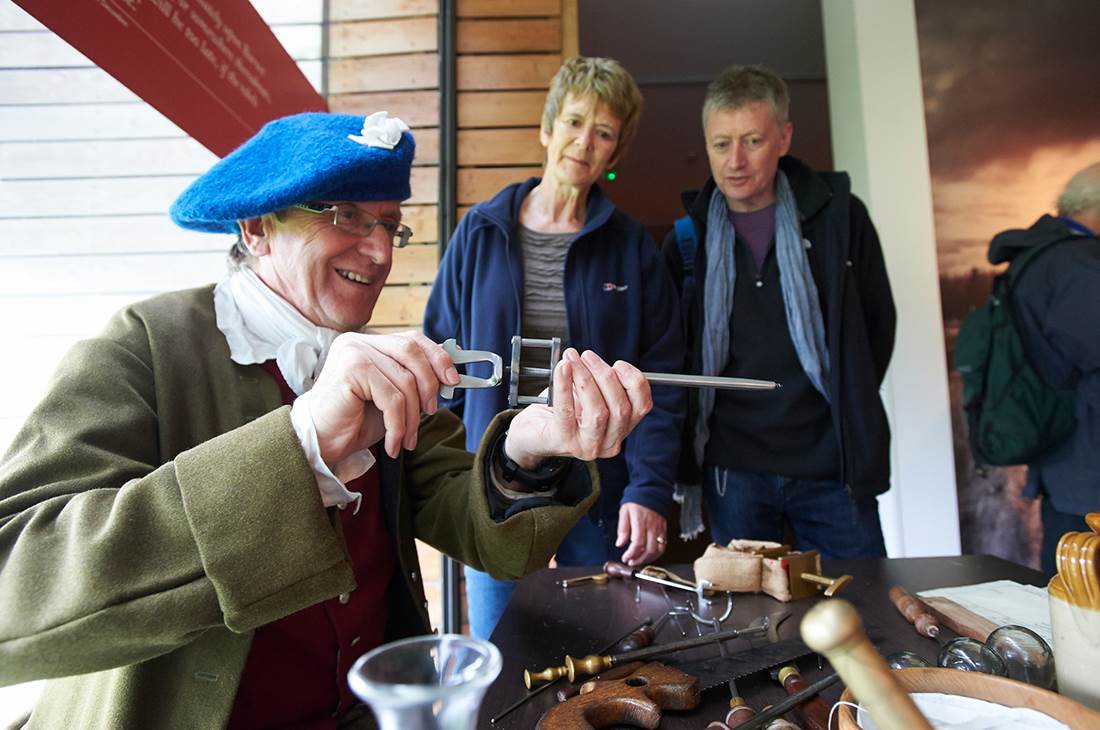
[545, 476]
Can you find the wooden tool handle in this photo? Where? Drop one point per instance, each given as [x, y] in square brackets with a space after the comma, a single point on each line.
[915, 612]
[738, 714]
[634, 700]
[638, 639]
[618, 570]
[833, 628]
[619, 672]
[814, 712]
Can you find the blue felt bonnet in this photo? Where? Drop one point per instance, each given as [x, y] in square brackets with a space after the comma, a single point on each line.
[297, 159]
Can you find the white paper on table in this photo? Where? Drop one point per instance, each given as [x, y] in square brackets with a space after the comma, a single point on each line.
[1003, 602]
[955, 712]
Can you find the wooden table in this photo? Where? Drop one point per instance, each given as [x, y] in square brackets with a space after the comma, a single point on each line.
[544, 622]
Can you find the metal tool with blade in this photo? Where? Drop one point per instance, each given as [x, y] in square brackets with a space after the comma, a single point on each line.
[462, 357]
[713, 671]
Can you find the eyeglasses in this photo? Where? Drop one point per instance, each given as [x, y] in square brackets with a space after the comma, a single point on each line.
[358, 222]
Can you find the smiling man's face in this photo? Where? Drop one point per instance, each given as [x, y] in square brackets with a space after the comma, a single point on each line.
[332, 277]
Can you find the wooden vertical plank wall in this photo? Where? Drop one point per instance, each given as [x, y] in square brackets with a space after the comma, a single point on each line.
[384, 55]
[508, 50]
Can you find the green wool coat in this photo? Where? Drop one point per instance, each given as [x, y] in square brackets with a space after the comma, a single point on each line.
[156, 508]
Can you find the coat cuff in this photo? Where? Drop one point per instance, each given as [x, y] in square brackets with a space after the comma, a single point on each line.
[265, 540]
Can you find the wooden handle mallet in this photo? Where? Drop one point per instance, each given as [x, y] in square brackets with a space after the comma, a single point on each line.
[833, 628]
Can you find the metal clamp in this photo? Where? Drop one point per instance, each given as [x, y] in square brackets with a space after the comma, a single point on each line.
[518, 343]
[461, 357]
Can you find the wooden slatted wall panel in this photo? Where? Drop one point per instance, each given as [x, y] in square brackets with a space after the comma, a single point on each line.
[508, 50]
[384, 55]
[87, 172]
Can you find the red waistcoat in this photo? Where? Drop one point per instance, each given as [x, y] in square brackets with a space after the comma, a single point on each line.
[297, 669]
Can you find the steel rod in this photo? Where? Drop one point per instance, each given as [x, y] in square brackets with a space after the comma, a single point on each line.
[763, 717]
[675, 646]
[709, 381]
[508, 710]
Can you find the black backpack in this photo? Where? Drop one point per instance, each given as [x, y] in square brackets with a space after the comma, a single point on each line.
[1012, 415]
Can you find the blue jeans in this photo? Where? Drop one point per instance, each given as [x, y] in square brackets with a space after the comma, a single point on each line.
[821, 513]
[1056, 524]
[588, 543]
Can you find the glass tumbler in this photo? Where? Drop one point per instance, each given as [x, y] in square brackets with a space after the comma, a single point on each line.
[426, 682]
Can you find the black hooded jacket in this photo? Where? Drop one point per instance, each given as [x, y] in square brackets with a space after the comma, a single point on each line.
[1057, 304]
[847, 265]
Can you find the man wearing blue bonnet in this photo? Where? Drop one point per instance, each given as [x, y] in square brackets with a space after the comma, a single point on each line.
[211, 513]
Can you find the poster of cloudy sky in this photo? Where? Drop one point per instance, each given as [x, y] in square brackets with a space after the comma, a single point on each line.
[1012, 107]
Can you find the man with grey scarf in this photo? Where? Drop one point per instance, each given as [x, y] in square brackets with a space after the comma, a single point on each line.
[782, 278]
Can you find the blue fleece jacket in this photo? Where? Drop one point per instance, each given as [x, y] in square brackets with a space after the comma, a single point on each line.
[620, 302]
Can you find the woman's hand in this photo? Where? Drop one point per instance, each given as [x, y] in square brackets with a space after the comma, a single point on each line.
[645, 530]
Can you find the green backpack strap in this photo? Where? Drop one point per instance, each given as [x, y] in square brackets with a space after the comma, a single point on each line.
[1013, 416]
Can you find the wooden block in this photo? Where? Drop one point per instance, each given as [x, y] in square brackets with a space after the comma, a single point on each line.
[478, 73]
[500, 108]
[382, 37]
[401, 305]
[508, 36]
[507, 8]
[797, 564]
[515, 146]
[416, 108]
[476, 184]
[364, 9]
[384, 73]
[962, 621]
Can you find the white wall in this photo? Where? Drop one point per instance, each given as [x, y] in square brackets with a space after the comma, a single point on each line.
[876, 110]
[87, 172]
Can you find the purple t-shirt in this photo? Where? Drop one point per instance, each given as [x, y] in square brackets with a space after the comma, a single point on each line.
[757, 230]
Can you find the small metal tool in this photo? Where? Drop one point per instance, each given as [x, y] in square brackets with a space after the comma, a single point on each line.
[554, 346]
[533, 693]
[660, 576]
[598, 579]
[596, 663]
[461, 357]
[464, 357]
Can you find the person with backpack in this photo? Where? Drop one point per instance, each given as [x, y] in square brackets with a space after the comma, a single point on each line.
[1056, 307]
[782, 278]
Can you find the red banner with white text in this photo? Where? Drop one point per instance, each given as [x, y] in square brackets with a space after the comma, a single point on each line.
[211, 66]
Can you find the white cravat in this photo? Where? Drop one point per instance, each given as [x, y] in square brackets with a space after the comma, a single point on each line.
[259, 325]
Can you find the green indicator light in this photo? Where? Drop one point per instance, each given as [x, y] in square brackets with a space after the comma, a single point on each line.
[611, 175]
